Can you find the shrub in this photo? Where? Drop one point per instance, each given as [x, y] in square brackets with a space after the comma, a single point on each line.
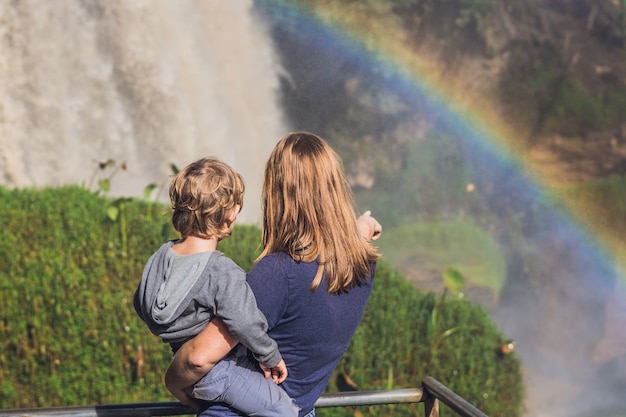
[69, 334]
[69, 331]
[407, 335]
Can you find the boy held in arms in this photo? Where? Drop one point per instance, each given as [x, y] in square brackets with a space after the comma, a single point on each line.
[187, 283]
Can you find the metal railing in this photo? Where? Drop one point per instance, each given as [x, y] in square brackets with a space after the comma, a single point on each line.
[430, 393]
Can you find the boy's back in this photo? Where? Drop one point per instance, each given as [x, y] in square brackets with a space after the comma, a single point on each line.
[179, 294]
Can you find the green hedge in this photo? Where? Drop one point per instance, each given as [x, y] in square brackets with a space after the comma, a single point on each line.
[407, 335]
[69, 334]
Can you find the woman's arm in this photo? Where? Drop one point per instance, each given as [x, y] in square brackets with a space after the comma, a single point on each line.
[197, 357]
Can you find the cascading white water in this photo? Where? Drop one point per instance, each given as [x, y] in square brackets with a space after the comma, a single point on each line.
[145, 82]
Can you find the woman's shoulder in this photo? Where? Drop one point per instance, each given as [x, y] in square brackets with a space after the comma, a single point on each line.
[273, 260]
[283, 264]
[285, 260]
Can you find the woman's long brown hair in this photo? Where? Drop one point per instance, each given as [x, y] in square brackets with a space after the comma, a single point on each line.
[308, 212]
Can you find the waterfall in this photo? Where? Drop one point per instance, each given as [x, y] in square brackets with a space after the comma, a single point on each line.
[146, 83]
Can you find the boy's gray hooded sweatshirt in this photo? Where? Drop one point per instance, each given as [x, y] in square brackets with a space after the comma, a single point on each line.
[180, 294]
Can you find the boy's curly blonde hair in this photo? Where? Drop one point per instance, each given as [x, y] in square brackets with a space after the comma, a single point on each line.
[203, 196]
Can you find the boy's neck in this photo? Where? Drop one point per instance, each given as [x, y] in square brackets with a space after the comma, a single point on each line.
[194, 244]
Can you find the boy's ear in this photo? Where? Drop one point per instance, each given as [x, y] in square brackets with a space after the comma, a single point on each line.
[233, 214]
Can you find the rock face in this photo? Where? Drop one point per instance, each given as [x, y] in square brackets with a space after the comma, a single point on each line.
[570, 160]
[568, 49]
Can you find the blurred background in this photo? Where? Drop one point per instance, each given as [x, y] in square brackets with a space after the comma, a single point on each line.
[485, 135]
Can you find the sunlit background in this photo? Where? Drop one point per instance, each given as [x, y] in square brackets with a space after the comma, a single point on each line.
[485, 135]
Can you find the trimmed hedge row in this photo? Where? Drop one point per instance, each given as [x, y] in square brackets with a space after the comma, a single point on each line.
[69, 334]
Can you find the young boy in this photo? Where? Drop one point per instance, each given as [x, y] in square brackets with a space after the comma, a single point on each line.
[187, 282]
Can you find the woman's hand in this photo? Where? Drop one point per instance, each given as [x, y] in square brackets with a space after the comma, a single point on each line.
[196, 358]
[368, 226]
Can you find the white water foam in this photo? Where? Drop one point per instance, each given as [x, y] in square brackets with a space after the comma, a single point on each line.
[145, 82]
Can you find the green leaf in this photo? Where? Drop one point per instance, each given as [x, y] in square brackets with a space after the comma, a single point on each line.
[112, 212]
[432, 324]
[104, 185]
[390, 378]
[148, 190]
[453, 280]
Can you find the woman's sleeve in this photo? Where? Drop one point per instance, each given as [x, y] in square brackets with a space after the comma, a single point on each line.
[270, 286]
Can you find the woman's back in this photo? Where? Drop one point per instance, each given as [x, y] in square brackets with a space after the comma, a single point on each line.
[312, 328]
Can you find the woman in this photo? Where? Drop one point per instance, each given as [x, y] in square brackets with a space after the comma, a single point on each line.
[312, 280]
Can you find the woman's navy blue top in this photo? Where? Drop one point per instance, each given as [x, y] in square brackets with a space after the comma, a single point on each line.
[313, 329]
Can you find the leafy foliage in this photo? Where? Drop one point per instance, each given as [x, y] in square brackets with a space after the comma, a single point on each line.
[69, 333]
[407, 335]
[546, 94]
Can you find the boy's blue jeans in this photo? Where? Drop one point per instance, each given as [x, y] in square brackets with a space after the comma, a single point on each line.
[237, 382]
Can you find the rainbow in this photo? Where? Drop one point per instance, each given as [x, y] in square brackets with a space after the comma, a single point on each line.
[595, 254]
[334, 26]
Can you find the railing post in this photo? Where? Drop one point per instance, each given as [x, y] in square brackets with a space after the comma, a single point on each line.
[431, 406]
[434, 388]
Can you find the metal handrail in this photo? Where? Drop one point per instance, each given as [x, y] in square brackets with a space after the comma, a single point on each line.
[353, 398]
[430, 393]
[437, 391]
